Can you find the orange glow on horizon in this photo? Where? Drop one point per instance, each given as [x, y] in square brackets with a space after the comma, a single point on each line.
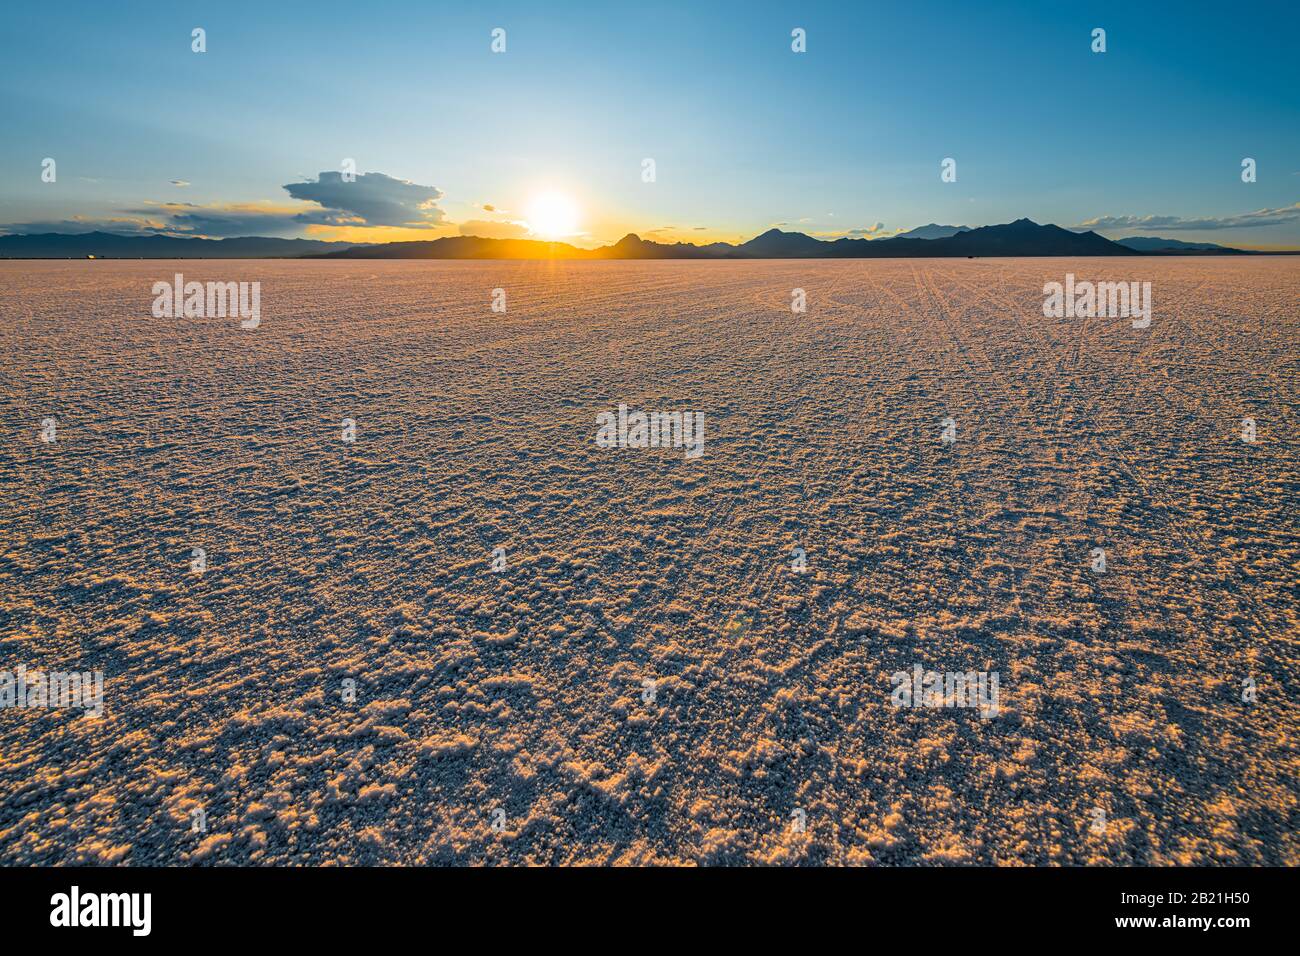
[377, 234]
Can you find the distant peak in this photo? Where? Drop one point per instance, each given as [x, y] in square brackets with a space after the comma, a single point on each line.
[775, 235]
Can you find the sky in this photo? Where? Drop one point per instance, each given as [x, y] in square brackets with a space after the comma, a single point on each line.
[550, 136]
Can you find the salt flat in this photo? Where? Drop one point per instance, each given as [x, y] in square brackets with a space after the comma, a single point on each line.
[647, 680]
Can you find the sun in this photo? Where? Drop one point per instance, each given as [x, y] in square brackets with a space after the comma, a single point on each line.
[553, 215]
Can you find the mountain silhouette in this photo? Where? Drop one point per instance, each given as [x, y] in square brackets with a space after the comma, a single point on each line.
[633, 246]
[108, 245]
[1156, 244]
[1024, 237]
[932, 231]
[775, 244]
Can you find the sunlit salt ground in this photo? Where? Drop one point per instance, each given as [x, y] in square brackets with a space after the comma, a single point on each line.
[524, 691]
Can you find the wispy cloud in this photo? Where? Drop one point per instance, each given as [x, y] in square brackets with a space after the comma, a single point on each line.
[1282, 216]
[82, 224]
[491, 229]
[224, 219]
[373, 202]
[874, 231]
[214, 220]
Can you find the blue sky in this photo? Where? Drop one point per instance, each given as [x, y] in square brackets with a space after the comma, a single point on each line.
[745, 133]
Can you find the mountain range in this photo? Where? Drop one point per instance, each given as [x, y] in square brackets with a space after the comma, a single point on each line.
[108, 245]
[1020, 238]
[1156, 244]
[932, 231]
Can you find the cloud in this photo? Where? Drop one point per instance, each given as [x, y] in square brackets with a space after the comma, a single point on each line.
[874, 231]
[219, 220]
[82, 224]
[487, 229]
[1282, 216]
[371, 199]
[384, 207]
